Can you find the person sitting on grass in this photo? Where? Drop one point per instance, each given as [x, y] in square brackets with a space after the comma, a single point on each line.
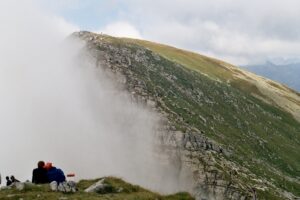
[39, 174]
[14, 180]
[8, 181]
[54, 174]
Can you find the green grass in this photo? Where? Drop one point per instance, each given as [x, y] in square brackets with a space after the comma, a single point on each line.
[129, 192]
[189, 59]
[206, 65]
[215, 69]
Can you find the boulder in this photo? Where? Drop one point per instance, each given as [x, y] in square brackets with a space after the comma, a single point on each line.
[66, 186]
[96, 186]
[53, 186]
[19, 186]
[99, 187]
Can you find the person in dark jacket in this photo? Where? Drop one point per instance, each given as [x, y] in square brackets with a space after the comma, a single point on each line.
[55, 174]
[39, 175]
[8, 181]
[14, 180]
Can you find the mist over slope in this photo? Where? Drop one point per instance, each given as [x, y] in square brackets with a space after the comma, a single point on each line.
[220, 122]
[57, 106]
[287, 74]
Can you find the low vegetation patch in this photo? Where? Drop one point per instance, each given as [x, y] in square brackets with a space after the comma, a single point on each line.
[119, 190]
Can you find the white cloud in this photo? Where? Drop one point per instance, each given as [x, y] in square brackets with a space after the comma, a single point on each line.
[239, 31]
[63, 27]
[121, 29]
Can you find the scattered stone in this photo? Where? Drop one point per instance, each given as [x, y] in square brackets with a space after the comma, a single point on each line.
[67, 186]
[20, 186]
[53, 186]
[99, 187]
[120, 190]
[96, 186]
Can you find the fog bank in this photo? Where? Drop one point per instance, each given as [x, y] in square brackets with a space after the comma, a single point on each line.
[57, 106]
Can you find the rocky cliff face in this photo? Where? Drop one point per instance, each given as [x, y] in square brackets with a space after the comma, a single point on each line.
[226, 138]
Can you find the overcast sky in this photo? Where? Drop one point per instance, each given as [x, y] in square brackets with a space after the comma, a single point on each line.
[238, 31]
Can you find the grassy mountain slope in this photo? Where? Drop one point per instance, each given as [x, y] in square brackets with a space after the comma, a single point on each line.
[205, 96]
[128, 191]
[267, 90]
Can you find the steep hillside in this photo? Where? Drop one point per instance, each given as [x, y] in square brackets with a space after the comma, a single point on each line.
[285, 73]
[267, 90]
[237, 132]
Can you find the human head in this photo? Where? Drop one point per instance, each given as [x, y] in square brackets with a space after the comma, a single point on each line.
[7, 178]
[48, 166]
[41, 164]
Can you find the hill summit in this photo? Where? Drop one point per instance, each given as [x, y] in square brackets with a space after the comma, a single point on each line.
[236, 132]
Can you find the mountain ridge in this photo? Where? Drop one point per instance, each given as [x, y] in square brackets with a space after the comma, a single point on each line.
[231, 140]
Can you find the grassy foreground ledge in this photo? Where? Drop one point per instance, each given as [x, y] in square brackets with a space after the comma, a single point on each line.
[128, 192]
